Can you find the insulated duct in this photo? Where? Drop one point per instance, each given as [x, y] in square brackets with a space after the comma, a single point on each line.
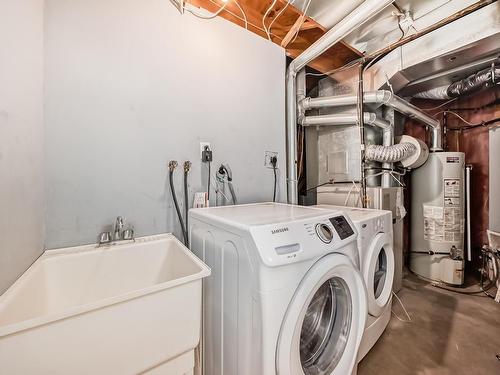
[390, 154]
[467, 86]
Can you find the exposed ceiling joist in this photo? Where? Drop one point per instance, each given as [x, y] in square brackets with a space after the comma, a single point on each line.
[291, 29]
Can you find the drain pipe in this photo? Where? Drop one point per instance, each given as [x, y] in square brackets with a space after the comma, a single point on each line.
[353, 20]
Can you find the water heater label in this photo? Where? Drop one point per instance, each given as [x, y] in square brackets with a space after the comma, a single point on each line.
[451, 188]
[442, 224]
[453, 159]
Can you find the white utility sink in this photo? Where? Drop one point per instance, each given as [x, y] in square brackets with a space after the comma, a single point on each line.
[125, 309]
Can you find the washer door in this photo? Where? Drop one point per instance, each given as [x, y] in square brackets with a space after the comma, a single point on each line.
[324, 323]
[378, 272]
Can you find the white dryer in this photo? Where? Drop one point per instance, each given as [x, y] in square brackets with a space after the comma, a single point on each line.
[375, 245]
[285, 296]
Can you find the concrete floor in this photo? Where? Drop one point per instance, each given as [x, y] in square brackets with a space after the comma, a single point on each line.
[450, 334]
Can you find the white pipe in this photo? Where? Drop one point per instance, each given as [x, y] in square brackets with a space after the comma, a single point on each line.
[468, 170]
[382, 97]
[344, 119]
[355, 19]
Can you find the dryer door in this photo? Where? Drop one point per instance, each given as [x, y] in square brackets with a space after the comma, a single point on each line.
[378, 272]
[325, 320]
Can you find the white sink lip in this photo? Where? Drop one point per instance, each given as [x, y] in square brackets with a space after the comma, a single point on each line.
[81, 309]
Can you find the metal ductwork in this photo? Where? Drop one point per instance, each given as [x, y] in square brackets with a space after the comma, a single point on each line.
[356, 18]
[381, 97]
[467, 86]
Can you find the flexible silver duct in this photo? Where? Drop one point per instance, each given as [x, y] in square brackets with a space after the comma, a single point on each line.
[390, 154]
[473, 83]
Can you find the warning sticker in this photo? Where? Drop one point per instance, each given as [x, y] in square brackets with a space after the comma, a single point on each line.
[452, 201]
[442, 224]
[451, 188]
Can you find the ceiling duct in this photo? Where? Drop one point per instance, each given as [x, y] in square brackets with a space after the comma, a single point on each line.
[446, 55]
[467, 86]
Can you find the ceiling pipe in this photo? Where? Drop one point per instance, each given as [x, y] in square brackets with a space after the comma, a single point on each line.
[382, 97]
[344, 119]
[353, 20]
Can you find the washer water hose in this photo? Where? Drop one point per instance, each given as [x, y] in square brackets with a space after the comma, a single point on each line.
[171, 167]
[225, 170]
[187, 167]
[390, 154]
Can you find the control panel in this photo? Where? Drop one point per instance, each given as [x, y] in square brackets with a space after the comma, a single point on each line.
[342, 227]
[303, 239]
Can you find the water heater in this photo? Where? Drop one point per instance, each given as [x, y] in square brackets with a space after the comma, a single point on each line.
[437, 218]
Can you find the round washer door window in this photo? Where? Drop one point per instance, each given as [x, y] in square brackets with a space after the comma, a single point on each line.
[378, 272]
[326, 327]
[324, 323]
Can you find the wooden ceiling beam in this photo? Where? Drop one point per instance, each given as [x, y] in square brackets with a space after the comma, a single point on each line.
[292, 30]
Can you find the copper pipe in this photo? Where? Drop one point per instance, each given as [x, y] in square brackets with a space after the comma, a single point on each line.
[437, 25]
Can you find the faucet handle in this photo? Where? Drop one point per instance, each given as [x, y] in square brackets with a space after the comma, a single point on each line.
[104, 238]
[128, 234]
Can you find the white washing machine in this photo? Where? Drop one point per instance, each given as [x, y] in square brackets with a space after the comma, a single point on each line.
[375, 245]
[285, 295]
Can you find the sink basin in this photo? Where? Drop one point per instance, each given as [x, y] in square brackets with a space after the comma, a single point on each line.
[124, 309]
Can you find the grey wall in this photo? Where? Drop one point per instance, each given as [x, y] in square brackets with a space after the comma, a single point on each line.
[494, 208]
[131, 84]
[21, 136]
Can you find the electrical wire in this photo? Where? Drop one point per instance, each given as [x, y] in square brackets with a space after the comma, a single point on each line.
[409, 320]
[208, 182]
[265, 16]
[278, 15]
[470, 124]
[439, 106]
[275, 183]
[243, 19]
[187, 167]
[302, 20]
[207, 17]
[337, 70]
[454, 114]
[329, 182]
[242, 12]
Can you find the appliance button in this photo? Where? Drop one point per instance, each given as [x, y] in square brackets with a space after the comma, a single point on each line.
[324, 233]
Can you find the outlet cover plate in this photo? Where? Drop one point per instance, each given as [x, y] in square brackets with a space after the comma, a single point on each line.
[202, 148]
[267, 159]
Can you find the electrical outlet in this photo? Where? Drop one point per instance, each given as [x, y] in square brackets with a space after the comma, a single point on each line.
[267, 159]
[202, 148]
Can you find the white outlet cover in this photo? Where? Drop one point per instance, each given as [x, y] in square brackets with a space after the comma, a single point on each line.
[202, 147]
[267, 159]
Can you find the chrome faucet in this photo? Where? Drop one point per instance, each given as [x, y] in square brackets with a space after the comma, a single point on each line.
[119, 234]
[118, 228]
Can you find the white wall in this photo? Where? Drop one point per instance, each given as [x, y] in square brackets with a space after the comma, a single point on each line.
[131, 84]
[494, 208]
[21, 136]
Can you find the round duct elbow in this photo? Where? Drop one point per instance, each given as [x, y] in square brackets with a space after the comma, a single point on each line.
[419, 157]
